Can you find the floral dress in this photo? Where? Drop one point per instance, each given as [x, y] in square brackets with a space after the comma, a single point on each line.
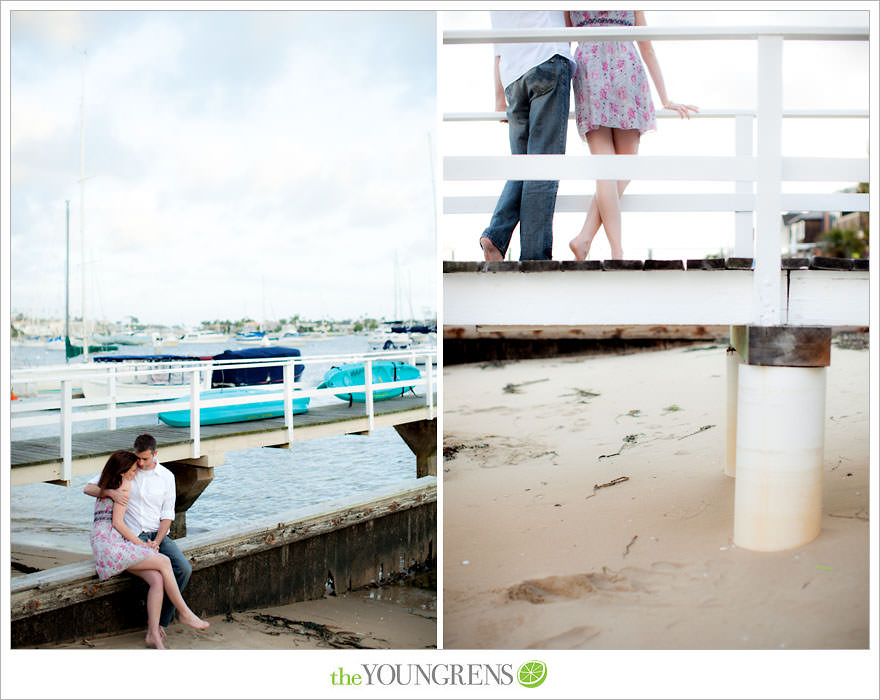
[610, 84]
[113, 553]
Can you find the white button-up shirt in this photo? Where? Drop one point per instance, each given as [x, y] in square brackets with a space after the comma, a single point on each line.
[151, 499]
[517, 59]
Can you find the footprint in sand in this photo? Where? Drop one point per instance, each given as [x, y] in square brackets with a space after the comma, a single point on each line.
[666, 566]
[575, 638]
[686, 512]
[554, 589]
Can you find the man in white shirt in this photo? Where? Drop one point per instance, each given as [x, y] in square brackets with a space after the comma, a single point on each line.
[532, 84]
[150, 512]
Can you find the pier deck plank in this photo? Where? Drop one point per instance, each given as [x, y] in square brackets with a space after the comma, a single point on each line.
[715, 292]
[39, 459]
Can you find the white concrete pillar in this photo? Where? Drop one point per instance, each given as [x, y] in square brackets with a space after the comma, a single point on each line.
[734, 360]
[779, 453]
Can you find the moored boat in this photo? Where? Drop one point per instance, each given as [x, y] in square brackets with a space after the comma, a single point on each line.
[194, 337]
[252, 338]
[384, 371]
[258, 374]
[72, 350]
[255, 407]
[163, 380]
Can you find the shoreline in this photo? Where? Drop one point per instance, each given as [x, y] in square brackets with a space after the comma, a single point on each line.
[618, 462]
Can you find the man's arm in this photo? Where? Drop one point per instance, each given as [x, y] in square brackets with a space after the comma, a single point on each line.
[95, 491]
[164, 526]
[166, 514]
[500, 97]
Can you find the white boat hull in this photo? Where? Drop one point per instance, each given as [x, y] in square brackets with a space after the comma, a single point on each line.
[127, 392]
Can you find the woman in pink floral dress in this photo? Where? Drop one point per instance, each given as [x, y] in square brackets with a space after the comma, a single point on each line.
[613, 109]
[118, 549]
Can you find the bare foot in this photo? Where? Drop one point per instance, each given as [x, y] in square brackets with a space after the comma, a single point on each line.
[154, 640]
[580, 252]
[490, 251]
[194, 621]
[162, 632]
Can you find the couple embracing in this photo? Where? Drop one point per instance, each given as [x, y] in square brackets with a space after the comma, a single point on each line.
[613, 108]
[133, 513]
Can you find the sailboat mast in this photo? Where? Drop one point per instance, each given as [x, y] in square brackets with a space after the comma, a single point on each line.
[66, 277]
[396, 288]
[82, 203]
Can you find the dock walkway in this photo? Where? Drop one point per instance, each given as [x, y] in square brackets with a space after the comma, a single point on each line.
[39, 459]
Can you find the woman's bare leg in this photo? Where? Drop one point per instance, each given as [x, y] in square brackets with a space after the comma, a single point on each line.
[161, 563]
[605, 141]
[580, 244]
[154, 606]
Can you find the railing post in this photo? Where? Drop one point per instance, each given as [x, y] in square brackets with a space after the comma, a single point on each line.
[368, 395]
[766, 297]
[195, 422]
[429, 386]
[289, 373]
[744, 221]
[111, 403]
[66, 429]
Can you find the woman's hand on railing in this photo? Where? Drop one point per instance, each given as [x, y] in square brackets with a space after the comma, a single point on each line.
[681, 109]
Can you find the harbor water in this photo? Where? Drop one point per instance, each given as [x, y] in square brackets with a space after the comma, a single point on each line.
[253, 484]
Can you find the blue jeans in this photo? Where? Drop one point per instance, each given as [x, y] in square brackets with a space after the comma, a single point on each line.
[537, 115]
[179, 565]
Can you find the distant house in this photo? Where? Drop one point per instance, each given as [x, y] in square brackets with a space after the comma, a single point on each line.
[804, 229]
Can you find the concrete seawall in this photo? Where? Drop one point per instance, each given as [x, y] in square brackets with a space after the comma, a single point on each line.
[270, 563]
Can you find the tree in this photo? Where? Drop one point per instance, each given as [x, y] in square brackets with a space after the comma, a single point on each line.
[835, 243]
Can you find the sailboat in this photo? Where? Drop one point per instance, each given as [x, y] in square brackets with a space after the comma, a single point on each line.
[70, 349]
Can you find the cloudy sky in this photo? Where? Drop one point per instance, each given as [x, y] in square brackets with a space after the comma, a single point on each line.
[712, 75]
[261, 164]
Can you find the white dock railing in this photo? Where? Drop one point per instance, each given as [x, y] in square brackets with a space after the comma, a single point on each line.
[758, 168]
[63, 410]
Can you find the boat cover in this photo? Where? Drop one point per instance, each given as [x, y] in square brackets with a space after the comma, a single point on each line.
[149, 358]
[254, 375]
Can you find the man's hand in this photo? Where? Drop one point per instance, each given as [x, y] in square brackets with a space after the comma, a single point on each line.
[152, 544]
[118, 496]
[501, 106]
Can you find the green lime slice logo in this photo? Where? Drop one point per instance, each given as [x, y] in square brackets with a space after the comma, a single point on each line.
[531, 674]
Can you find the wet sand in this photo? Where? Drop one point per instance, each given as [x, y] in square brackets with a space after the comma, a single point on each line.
[536, 557]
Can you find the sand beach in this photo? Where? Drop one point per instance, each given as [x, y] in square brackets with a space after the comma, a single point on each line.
[359, 620]
[586, 507]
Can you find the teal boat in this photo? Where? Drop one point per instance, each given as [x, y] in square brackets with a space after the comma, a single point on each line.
[383, 371]
[252, 410]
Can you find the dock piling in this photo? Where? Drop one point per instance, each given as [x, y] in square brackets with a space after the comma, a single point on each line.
[421, 438]
[780, 437]
[191, 478]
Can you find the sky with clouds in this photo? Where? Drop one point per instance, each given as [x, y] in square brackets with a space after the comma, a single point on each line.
[712, 75]
[240, 163]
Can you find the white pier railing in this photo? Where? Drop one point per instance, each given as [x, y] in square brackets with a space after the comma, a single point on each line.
[758, 167]
[63, 411]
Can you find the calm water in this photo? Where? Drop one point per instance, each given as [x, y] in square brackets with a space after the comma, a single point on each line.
[251, 485]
